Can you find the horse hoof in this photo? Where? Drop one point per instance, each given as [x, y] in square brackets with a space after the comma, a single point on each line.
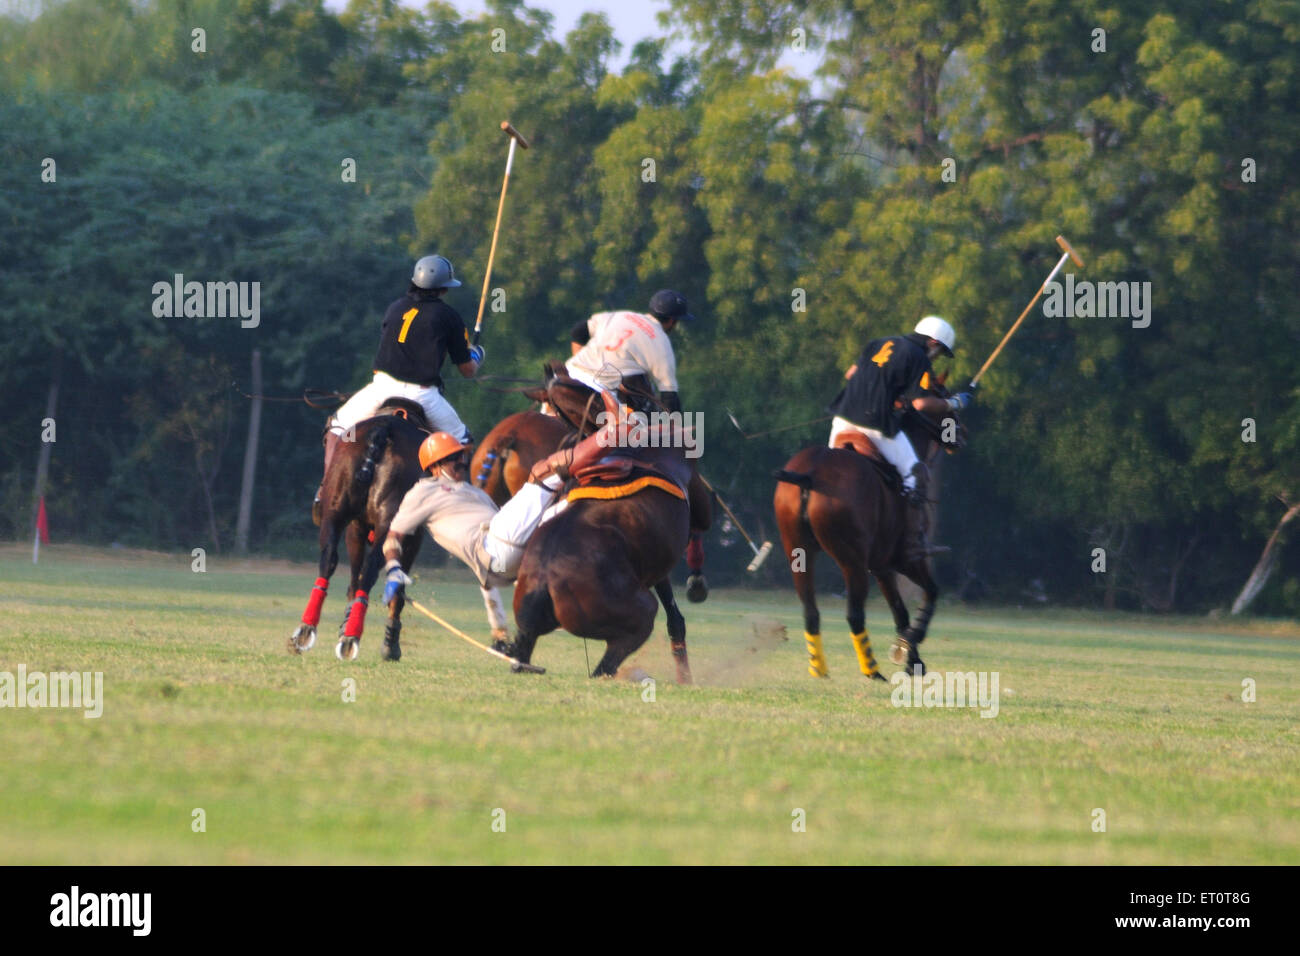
[916, 668]
[697, 589]
[898, 652]
[391, 651]
[879, 676]
[303, 639]
[348, 649]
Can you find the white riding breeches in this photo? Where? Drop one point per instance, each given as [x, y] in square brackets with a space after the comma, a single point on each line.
[897, 451]
[513, 525]
[368, 400]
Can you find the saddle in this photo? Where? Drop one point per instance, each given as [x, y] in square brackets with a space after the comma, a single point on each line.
[404, 408]
[864, 446]
[629, 469]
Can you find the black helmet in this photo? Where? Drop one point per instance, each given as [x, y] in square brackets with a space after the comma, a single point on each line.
[667, 304]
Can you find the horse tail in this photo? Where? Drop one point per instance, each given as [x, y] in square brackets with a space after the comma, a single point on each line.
[379, 437]
[804, 483]
[794, 478]
[494, 459]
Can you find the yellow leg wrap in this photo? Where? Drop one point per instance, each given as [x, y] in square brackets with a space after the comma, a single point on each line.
[866, 660]
[816, 659]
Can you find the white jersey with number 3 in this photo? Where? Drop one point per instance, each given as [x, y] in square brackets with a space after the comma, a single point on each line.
[628, 343]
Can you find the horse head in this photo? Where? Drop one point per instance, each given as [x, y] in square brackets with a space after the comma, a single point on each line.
[928, 433]
[576, 403]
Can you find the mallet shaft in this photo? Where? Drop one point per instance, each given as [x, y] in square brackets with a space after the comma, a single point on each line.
[760, 554]
[1069, 253]
[531, 668]
[492, 252]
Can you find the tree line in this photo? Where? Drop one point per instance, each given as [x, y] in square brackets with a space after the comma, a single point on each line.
[809, 173]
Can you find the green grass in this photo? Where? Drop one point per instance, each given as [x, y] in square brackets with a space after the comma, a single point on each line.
[1139, 716]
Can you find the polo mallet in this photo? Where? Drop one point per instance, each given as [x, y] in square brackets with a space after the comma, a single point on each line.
[513, 133]
[1067, 253]
[772, 431]
[514, 664]
[760, 554]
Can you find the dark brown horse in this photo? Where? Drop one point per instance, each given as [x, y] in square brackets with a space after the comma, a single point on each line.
[590, 568]
[508, 452]
[849, 505]
[361, 493]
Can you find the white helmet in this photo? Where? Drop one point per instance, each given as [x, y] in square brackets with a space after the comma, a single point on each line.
[434, 272]
[938, 329]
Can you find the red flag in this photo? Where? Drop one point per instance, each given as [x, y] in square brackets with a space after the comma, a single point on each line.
[42, 523]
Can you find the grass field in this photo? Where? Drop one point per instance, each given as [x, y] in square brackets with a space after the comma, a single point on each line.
[1141, 717]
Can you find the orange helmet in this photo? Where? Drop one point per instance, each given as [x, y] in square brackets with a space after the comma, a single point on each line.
[436, 447]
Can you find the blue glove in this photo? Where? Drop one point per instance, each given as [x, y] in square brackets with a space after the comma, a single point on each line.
[395, 582]
[477, 353]
[960, 401]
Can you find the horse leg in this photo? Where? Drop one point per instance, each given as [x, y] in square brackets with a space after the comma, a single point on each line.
[304, 636]
[636, 621]
[356, 535]
[805, 587]
[392, 649]
[888, 582]
[914, 634]
[349, 645]
[858, 584]
[676, 629]
[697, 588]
[800, 550]
[534, 616]
[700, 500]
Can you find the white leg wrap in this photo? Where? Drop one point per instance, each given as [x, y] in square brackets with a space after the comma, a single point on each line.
[512, 526]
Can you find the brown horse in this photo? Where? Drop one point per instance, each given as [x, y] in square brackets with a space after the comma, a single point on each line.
[503, 459]
[590, 568]
[849, 505]
[361, 493]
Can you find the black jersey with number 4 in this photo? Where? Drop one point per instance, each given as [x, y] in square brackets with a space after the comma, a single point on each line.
[417, 335]
[888, 369]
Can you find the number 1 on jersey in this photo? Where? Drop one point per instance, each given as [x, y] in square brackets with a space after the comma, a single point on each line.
[407, 316]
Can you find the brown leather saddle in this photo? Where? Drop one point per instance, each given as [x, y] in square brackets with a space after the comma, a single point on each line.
[626, 465]
[864, 446]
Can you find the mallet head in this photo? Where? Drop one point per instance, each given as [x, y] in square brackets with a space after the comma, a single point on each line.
[514, 133]
[1069, 250]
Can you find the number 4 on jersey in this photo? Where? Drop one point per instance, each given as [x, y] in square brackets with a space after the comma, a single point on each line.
[882, 357]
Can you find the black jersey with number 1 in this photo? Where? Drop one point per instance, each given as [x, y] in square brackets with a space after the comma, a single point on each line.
[888, 369]
[418, 334]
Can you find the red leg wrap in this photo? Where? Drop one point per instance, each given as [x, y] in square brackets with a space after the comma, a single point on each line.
[312, 614]
[695, 553]
[357, 615]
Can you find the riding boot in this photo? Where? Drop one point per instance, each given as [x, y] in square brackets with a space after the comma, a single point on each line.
[332, 443]
[916, 524]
